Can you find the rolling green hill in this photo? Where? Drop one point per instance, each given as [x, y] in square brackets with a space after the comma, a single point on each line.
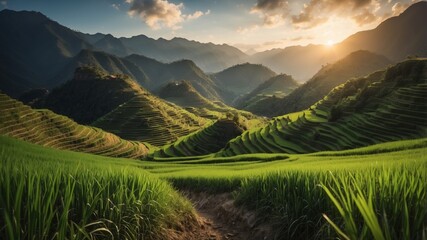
[185, 95]
[277, 87]
[150, 119]
[208, 140]
[91, 94]
[386, 106]
[356, 64]
[242, 78]
[46, 128]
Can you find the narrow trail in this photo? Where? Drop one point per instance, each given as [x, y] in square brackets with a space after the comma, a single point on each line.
[220, 219]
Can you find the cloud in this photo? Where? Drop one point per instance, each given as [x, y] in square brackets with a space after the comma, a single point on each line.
[196, 15]
[3, 4]
[116, 6]
[296, 39]
[365, 17]
[317, 12]
[161, 13]
[273, 12]
[244, 30]
[399, 7]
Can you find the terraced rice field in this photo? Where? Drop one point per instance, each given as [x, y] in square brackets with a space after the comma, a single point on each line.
[46, 128]
[51, 194]
[388, 112]
[297, 193]
[206, 141]
[149, 119]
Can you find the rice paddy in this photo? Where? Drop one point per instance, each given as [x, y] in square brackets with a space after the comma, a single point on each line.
[383, 107]
[46, 128]
[52, 194]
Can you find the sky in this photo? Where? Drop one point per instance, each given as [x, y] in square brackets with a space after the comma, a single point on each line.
[251, 25]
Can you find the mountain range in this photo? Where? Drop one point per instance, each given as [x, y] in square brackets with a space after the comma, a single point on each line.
[357, 64]
[404, 34]
[60, 49]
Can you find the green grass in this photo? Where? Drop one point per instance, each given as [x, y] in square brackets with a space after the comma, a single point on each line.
[46, 128]
[385, 106]
[208, 140]
[51, 194]
[149, 119]
[297, 192]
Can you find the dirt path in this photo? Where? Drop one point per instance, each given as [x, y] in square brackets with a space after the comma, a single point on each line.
[220, 219]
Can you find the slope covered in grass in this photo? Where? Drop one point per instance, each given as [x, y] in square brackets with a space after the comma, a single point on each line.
[185, 95]
[91, 94]
[205, 141]
[150, 119]
[357, 64]
[46, 128]
[276, 87]
[385, 106]
[52, 194]
[290, 191]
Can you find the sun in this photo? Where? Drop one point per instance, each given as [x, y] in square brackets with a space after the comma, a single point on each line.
[330, 43]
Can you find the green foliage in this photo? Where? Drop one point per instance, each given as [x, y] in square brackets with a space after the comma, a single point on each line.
[208, 140]
[382, 204]
[370, 188]
[149, 119]
[51, 194]
[46, 128]
[384, 106]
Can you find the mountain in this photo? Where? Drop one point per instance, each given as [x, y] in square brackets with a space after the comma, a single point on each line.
[112, 45]
[91, 94]
[92, 38]
[356, 64]
[117, 104]
[148, 72]
[277, 86]
[161, 74]
[299, 61]
[404, 35]
[46, 128]
[242, 78]
[210, 57]
[40, 53]
[183, 94]
[208, 140]
[388, 105]
[34, 49]
[35, 98]
[106, 62]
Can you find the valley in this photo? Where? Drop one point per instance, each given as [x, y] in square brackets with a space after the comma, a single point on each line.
[109, 136]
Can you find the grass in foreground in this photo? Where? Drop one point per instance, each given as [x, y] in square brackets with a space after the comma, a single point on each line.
[51, 194]
[376, 192]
